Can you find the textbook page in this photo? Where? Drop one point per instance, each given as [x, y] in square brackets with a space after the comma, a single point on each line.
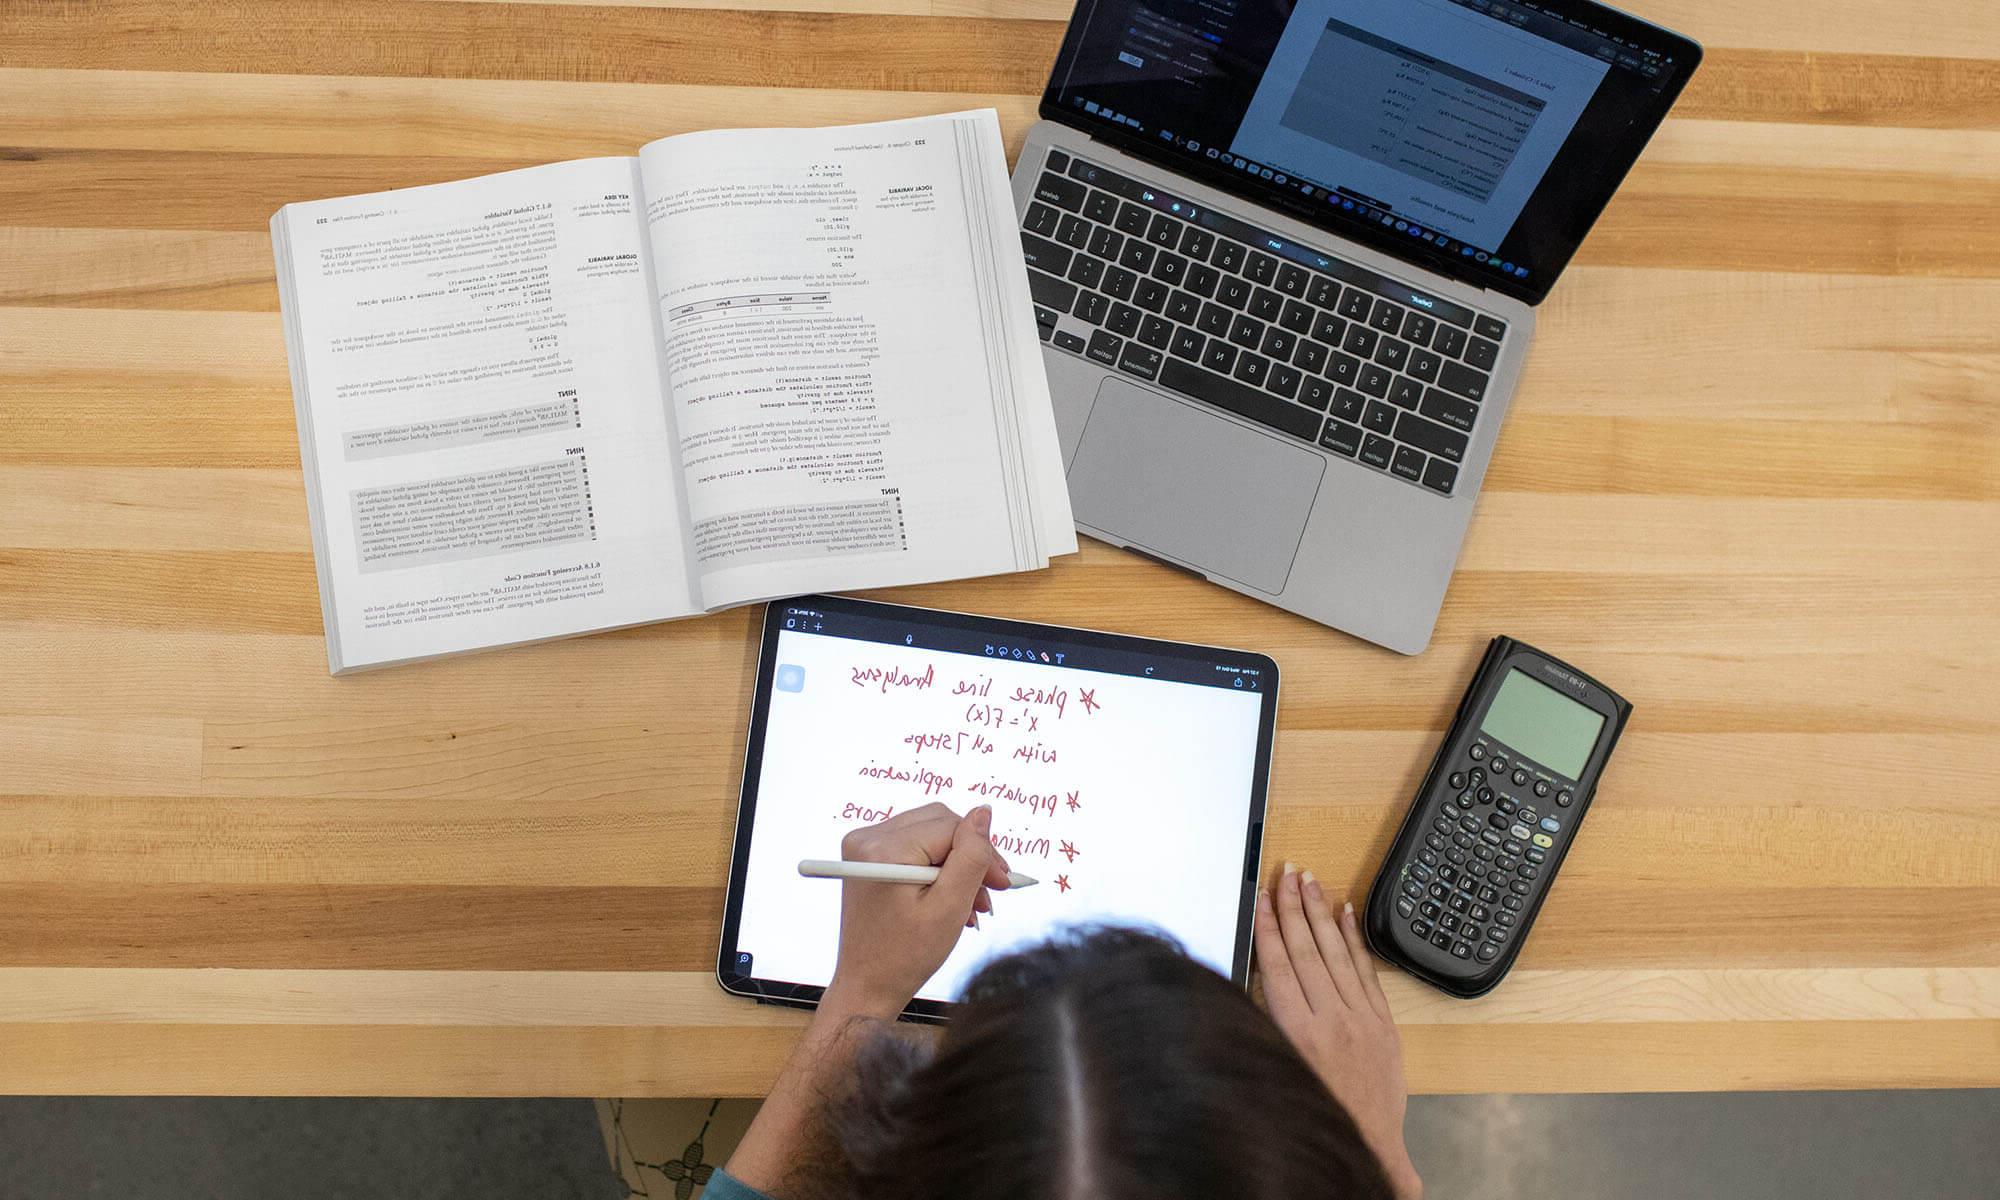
[856, 384]
[481, 412]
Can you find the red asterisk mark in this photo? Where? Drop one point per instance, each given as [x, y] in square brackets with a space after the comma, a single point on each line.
[1073, 802]
[1088, 698]
[1062, 881]
[1070, 852]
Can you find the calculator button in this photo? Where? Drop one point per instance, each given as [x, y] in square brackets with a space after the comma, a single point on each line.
[1520, 777]
[1499, 764]
[1505, 918]
[1457, 780]
[1496, 934]
[1477, 752]
[1441, 940]
[1412, 888]
[1475, 777]
[1469, 824]
[1433, 841]
[1490, 836]
[1537, 857]
[1551, 824]
[1438, 891]
[1564, 798]
[1461, 950]
[1544, 840]
[1519, 831]
[1430, 910]
[1487, 952]
[1511, 903]
[1485, 795]
[1483, 852]
[1499, 821]
[1465, 798]
[1427, 857]
[1455, 855]
[1496, 875]
[1447, 873]
[1528, 872]
[1488, 895]
[1479, 912]
[1507, 862]
[1512, 847]
[1470, 932]
[1541, 787]
[1528, 816]
[1452, 812]
[1421, 928]
[1468, 883]
[1506, 805]
[1519, 887]
[1448, 921]
[1441, 825]
[1420, 872]
[1405, 907]
[1457, 904]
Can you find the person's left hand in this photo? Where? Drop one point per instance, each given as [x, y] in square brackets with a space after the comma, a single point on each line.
[893, 936]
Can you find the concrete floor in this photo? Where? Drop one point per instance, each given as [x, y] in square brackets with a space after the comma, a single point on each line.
[1812, 1146]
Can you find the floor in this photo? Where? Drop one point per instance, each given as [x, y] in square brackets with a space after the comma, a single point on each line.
[1821, 1146]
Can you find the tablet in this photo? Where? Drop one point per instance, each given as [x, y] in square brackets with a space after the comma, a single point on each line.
[1126, 774]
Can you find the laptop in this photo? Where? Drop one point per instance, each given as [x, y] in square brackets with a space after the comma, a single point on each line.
[1285, 261]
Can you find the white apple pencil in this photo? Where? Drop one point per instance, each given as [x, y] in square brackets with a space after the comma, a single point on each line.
[826, 868]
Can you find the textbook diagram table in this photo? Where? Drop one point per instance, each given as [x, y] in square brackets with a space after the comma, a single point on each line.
[1751, 479]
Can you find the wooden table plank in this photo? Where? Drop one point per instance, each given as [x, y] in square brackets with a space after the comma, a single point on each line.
[1753, 476]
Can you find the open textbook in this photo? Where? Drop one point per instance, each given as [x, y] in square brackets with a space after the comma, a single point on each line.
[744, 364]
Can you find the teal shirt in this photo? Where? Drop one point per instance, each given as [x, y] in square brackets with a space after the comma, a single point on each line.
[722, 1187]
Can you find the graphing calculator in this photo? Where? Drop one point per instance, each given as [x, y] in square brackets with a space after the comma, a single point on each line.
[1498, 810]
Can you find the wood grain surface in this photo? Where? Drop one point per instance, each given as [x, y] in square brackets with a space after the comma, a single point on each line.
[1752, 479]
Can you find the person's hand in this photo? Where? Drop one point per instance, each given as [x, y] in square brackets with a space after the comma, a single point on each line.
[893, 936]
[1321, 988]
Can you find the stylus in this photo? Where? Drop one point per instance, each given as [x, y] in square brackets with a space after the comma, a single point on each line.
[825, 868]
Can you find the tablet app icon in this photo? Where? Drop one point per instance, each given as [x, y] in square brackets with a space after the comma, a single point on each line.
[791, 677]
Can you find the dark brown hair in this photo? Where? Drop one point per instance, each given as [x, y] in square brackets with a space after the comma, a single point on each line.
[1105, 1065]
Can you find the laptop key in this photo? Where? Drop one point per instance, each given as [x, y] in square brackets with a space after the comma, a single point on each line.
[1341, 438]
[1101, 207]
[1449, 341]
[1150, 294]
[1431, 436]
[1104, 347]
[1408, 463]
[1405, 392]
[1481, 353]
[1347, 403]
[1355, 303]
[1439, 476]
[1187, 344]
[1119, 282]
[1044, 330]
[1265, 304]
[1133, 219]
[1424, 365]
[1165, 231]
[1044, 255]
[1324, 293]
[1261, 267]
[1069, 341]
[1252, 368]
[1214, 320]
[1247, 402]
[1196, 242]
[1393, 353]
[1047, 289]
[1136, 255]
[1202, 279]
[1169, 268]
[1344, 369]
[1489, 327]
[1090, 307]
[1074, 232]
[1228, 255]
[1457, 377]
[1156, 333]
[1220, 355]
[1296, 317]
[1046, 316]
[1143, 361]
[1316, 392]
[1374, 380]
[1056, 160]
[1376, 450]
[1124, 320]
[1387, 317]
[1183, 307]
[1066, 194]
[1310, 357]
[1417, 327]
[1234, 292]
[1085, 271]
[1292, 280]
[1329, 328]
[1106, 243]
[1246, 332]
[1379, 417]
[1284, 380]
[1041, 219]
[1360, 340]
[1450, 409]
[1279, 343]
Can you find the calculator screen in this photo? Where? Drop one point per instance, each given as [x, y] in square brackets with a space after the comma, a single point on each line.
[1534, 719]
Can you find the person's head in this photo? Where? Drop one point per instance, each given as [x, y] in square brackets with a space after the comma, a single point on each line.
[1104, 1065]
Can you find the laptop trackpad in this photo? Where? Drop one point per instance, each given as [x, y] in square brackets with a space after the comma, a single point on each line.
[1167, 476]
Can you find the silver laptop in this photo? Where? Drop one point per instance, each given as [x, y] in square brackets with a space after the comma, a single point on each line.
[1285, 261]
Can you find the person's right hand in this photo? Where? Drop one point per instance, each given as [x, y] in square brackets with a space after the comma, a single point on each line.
[1321, 988]
[893, 936]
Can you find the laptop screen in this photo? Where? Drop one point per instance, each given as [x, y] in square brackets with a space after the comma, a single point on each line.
[1478, 137]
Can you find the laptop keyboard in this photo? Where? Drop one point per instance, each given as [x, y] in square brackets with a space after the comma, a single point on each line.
[1213, 308]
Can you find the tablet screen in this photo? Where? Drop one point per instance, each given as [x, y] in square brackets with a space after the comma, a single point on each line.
[1126, 775]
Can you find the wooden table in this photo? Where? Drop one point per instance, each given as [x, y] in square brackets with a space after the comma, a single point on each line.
[1752, 479]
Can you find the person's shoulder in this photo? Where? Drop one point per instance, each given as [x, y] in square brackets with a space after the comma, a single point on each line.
[723, 1186]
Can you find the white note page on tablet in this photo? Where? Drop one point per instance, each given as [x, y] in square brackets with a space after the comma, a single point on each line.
[1127, 797]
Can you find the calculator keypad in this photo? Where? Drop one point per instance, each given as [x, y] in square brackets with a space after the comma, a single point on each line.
[1484, 852]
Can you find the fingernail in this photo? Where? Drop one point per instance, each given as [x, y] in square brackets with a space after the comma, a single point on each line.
[1290, 869]
[1263, 900]
[1307, 877]
[982, 817]
[1347, 908]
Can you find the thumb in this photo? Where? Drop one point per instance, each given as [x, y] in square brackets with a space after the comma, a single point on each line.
[964, 869]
